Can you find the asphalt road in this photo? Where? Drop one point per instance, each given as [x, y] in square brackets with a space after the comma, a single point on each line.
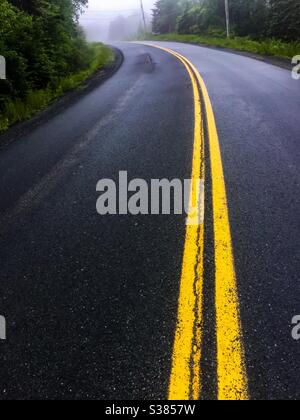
[91, 301]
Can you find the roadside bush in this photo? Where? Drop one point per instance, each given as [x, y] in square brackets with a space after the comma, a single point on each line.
[271, 47]
[46, 54]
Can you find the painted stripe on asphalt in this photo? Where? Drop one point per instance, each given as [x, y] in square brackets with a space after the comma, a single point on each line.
[231, 371]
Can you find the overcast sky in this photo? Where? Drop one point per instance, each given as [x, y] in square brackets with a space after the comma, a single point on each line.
[100, 13]
[118, 4]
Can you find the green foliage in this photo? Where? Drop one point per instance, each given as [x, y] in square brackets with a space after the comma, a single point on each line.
[165, 15]
[45, 51]
[285, 19]
[258, 19]
[19, 109]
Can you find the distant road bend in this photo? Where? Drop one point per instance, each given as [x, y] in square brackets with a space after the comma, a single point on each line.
[144, 307]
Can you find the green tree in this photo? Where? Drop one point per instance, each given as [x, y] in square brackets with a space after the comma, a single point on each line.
[285, 19]
[16, 34]
[165, 15]
[203, 17]
[254, 18]
[41, 41]
[250, 18]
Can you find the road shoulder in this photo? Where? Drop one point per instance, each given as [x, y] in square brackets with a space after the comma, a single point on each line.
[275, 61]
[22, 128]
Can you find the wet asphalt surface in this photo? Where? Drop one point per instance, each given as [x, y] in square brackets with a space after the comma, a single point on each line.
[91, 301]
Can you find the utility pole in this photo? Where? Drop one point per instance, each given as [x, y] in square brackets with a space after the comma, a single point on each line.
[143, 14]
[227, 18]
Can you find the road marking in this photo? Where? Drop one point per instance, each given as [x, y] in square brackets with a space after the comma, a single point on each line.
[231, 370]
[232, 376]
[185, 381]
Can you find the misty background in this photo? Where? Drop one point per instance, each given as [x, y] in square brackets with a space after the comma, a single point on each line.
[114, 20]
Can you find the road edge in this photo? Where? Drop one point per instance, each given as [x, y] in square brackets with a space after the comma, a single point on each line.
[283, 63]
[94, 81]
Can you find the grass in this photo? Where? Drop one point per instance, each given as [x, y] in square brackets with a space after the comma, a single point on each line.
[268, 47]
[18, 110]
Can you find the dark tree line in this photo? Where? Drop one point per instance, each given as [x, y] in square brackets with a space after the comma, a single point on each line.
[255, 18]
[41, 41]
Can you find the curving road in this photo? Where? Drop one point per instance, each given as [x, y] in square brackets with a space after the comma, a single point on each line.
[91, 302]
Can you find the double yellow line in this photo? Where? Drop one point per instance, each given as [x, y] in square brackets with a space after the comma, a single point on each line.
[186, 376]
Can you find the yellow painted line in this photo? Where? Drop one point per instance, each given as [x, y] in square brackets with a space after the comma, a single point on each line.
[232, 376]
[231, 370]
[185, 380]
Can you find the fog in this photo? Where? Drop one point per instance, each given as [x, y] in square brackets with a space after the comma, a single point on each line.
[111, 20]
